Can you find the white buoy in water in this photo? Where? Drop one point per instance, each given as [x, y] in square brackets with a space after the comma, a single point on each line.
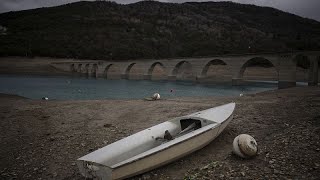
[156, 96]
[245, 146]
[45, 98]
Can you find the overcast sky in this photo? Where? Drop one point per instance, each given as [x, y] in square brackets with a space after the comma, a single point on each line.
[304, 8]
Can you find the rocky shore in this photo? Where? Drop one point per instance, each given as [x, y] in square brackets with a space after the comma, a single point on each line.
[42, 139]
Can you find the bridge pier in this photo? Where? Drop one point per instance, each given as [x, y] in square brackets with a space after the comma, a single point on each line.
[124, 76]
[82, 71]
[100, 72]
[172, 78]
[93, 74]
[199, 79]
[287, 72]
[286, 84]
[74, 73]
[237, 81]
[88, 71]
[147, 77]
[313, 72]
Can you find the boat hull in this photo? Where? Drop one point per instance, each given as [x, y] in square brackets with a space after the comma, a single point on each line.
[168, 155]
[142, 151]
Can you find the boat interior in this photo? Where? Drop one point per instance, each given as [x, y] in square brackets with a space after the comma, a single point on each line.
[186, 126]
[145, 141]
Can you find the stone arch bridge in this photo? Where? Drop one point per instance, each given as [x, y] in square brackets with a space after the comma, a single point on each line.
[284, 63]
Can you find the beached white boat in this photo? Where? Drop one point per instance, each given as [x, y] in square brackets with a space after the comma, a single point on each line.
[149, 149]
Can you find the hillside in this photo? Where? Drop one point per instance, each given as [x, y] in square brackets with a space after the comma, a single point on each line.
[149, 29]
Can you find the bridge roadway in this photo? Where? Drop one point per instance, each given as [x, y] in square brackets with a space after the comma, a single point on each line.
[284, 63]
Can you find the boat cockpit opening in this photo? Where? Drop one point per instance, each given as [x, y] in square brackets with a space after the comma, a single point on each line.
[185, 123]
[188, 125]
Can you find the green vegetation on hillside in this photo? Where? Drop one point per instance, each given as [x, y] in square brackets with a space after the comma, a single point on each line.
[149, 29]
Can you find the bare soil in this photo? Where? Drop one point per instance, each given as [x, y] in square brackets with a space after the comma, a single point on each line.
[43, 139]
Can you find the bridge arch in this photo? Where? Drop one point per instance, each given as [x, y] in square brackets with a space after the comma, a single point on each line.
[132, 72]
[270, 71]
[153, 65]
[79, 68]
[212, 62]
[94, 70]
[106, 70]
[156, 71]
[215, 70]
[128, 68]
[182, 70]
[72, 68]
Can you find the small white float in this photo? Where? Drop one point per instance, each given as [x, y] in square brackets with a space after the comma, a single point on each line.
[156, 96]
[45, 98]
[245, 146]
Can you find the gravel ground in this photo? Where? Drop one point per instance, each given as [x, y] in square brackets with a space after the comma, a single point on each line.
[42, 139]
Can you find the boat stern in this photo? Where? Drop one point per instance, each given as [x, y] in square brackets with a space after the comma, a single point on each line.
[94, 170]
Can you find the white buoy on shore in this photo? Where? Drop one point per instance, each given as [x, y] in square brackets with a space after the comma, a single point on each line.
[245, 146]
[156, 96]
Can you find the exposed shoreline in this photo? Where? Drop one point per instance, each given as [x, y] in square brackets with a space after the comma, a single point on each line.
[31, 66]
[44, 138]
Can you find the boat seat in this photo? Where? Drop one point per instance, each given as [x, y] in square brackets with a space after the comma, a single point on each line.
[167, 136]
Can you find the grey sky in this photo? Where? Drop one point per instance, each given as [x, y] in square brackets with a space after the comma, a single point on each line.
[304, 8]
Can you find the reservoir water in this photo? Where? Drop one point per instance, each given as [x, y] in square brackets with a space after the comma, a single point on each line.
[71, 88]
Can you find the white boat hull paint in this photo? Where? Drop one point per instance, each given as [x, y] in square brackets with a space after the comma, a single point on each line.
[140, 152]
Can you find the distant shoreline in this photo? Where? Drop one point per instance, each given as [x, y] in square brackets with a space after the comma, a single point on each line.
[12, 96]
[35, 66]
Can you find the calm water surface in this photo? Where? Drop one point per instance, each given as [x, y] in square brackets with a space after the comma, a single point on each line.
[36, 87]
